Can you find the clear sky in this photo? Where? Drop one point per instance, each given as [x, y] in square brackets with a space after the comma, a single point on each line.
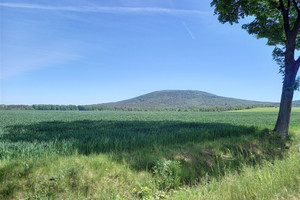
[96, 51]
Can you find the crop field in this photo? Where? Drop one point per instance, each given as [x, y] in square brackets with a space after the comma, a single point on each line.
[266, 109]
[147, 155]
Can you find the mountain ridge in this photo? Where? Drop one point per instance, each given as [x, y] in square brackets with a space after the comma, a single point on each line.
[296, 103]
[183, 99]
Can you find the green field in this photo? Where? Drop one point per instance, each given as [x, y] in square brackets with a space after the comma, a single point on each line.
[266, 109]
[147, 155]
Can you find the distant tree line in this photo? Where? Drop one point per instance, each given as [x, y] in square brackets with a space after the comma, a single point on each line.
[16, 107]
[38, 107]
[115, 108]
[54, 107]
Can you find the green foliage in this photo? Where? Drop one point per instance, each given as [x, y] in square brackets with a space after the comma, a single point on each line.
[16, 107]
[278, 57]
[167, 174]
[144, 193]
[268, 20]
[54, 107]
[276, 20]
[297, 84]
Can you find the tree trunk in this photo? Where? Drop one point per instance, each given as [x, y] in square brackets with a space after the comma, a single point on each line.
[283, 120]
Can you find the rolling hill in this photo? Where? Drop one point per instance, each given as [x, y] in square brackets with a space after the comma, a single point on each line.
[182, 99]
[296, 103]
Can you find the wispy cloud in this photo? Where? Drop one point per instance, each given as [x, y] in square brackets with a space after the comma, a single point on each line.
[110, 10]
[16, 60]
[188, 30]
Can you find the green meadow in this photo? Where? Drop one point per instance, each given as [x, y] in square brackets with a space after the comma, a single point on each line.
[148, 155]
[266, 109]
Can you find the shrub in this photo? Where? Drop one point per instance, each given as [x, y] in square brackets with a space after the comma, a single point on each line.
[167, 174]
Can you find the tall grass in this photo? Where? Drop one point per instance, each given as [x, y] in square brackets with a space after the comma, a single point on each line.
[145, 155]
[277, 180]
[86, 137]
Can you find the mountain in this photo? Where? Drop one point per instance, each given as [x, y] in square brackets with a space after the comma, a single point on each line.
[182, 99]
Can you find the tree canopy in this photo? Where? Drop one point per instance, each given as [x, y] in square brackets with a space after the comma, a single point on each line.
[275, 20]
[279, 22]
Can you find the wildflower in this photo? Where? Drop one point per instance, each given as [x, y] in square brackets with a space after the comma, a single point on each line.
[134, 190]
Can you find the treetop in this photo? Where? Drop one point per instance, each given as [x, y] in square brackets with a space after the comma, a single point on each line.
[274, 20]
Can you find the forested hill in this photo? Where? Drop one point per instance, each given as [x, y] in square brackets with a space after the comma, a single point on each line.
[160, 100]
[296, 103]
[182, 99]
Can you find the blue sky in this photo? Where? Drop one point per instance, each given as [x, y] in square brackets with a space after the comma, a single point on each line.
[96, 51]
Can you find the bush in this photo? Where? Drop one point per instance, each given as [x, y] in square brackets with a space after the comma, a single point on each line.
[167, 174]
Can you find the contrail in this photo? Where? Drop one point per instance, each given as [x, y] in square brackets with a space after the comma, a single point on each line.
[111, 10]
[183, 23]
[188, 30]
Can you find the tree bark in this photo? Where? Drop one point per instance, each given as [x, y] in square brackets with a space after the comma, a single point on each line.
[283, 120]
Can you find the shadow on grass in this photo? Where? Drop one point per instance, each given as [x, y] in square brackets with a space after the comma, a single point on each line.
[115, 136]
[201, 148]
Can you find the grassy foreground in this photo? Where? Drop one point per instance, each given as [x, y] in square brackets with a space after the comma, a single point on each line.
[147, 155]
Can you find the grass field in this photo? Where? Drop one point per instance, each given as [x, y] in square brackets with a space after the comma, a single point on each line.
[147, 155]
[266, 109]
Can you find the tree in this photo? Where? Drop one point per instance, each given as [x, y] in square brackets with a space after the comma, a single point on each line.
[279, 22]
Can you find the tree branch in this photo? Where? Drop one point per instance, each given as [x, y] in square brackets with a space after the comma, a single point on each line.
[296, 6]
[296, 28]
[286, 21]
